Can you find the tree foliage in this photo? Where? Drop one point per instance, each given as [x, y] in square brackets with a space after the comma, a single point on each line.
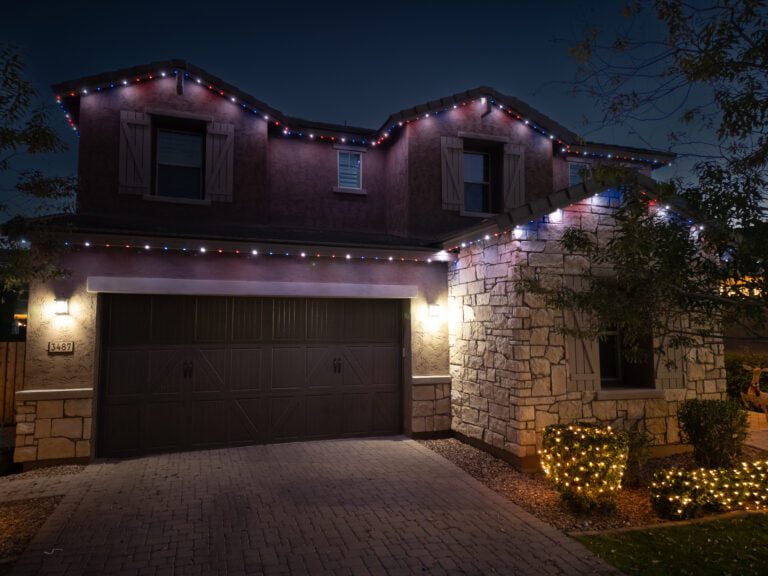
[688, 272]
[31, 241]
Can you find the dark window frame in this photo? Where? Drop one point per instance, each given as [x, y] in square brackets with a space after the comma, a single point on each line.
[494, 151]
[629, 375]
[180, 125]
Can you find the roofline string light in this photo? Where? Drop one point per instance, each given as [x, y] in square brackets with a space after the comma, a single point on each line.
[438, 256]
[314, 135]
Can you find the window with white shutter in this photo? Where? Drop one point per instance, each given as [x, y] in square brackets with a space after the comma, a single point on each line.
[350, 169]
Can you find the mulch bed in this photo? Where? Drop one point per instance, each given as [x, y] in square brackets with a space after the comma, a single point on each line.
[19, 522]
[532, 492]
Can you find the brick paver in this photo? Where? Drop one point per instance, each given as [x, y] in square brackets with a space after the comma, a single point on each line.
[370, 506]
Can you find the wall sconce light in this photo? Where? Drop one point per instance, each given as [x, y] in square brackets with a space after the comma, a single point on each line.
[61, 306]
[435, 311]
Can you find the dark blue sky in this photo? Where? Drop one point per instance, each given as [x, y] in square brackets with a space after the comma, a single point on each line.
[329, 61]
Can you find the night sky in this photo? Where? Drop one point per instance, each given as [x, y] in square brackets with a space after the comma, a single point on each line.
[329, 61]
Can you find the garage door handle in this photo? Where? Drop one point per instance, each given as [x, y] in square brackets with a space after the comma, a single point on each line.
[337, 365]
[187, 369]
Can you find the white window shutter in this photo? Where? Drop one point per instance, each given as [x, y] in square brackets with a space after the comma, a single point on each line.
[135, 170]
[219, 155]
[452, 161]
[583, 354]
[513, 177]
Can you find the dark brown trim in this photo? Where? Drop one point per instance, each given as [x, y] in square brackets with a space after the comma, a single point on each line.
[436, 435]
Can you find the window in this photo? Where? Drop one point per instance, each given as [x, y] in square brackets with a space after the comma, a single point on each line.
[179, 155]
[575, 170]
[350, 169]
[617, 370]
[477, 182]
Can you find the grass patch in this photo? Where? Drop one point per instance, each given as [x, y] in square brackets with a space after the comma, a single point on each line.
[737, 546]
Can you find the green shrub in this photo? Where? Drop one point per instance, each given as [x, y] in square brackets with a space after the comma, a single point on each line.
[716, 428]
[678, 494]
[737, 378]
[585, 463]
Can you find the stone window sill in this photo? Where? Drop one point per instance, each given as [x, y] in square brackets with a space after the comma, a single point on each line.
[357, 191]
[630, 394]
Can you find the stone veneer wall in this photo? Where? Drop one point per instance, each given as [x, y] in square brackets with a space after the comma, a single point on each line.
[510, 370]
[53, 425]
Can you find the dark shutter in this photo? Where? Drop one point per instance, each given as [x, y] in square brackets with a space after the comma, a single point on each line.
[583, 354]
[514, 177]
[135, 170]
[452, 159]
[219, 154]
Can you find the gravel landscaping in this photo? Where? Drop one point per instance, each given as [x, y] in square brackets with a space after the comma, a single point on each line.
[44, 472]
[19, 522]
[534, 494]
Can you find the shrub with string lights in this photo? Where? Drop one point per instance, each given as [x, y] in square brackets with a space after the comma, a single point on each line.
[585, 463]
[678, 494]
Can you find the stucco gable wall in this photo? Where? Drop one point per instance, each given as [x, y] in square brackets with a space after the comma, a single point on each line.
[509, 365]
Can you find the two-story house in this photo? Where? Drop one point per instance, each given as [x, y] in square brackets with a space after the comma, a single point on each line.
[237, 275]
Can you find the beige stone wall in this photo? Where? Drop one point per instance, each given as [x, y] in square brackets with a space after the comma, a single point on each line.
[53, 426]
[431, 404]
[510, 366]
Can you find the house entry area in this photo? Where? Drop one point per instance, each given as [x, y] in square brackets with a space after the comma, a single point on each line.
[191, 372]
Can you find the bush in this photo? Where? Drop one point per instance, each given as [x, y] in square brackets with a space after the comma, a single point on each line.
[679, 494]
[585, 463]
[716, 428]
[737, 378]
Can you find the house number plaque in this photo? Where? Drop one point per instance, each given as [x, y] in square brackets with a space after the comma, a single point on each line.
[61, 347]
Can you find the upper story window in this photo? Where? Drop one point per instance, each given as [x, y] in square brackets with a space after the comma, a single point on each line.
[619, 371]
[576, 172]
[477, 182]
[175, 158]
[350, 169]
[481, 174]
[179, 161]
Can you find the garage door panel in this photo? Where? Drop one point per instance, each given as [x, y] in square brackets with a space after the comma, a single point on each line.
[166, 371]
[121, 424]
[357, 365]
[386, 365]
[208, 423]
[323, 416]
[386, 411]
[357, 413]
[287, 416]
[211, 316]
[246, 416]
[289, 367]
[247, 319]
[216, 371]
[128, 321]
[170, 320]
[289, 319]
[163, 426]
[320, 366]
[247, 369]
[126, 372]
[209, 370]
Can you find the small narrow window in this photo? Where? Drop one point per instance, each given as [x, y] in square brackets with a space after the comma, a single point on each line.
[618, 369]
[477, 182]
[350, 170]
[179, 164]
[576, 173]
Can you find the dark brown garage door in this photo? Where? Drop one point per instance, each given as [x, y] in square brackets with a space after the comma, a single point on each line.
[184, 372]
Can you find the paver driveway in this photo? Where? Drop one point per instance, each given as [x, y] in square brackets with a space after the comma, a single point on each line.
[371, 506]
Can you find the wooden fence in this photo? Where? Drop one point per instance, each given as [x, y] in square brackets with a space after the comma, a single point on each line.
[11, 377]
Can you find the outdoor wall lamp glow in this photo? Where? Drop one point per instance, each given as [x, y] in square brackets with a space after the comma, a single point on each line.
[435, 311]
[61, 306]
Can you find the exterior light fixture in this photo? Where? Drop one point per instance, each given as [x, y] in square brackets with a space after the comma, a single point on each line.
[435, 311]
[61, 306]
